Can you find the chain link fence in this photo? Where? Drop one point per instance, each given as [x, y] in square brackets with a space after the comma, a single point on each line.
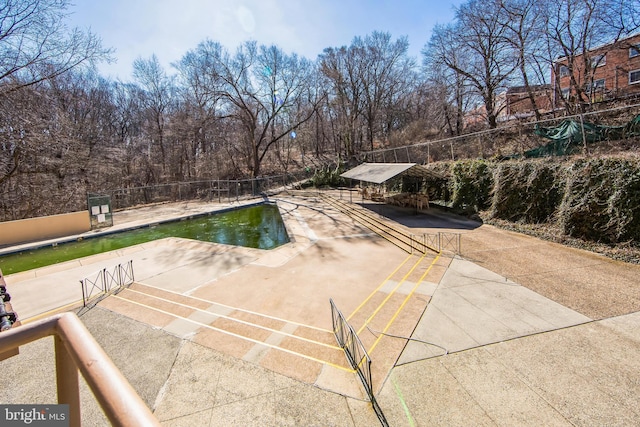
[220, 190]
[513, 139]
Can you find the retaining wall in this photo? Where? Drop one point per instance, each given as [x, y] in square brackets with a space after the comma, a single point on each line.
[43, 228]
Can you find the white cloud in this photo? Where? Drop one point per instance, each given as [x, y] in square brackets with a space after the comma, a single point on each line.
[246, 19]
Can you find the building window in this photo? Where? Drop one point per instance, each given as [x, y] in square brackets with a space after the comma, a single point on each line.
[599, 60]
[563, 70]
[566, 92]
[597, 85]
[634, 51]
[634, 77]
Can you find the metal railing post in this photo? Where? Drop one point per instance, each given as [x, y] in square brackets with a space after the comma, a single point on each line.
[131, 270]
[67, 382]
[84, 297]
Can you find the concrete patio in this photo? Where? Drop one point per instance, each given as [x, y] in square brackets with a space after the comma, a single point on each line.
[218, 335]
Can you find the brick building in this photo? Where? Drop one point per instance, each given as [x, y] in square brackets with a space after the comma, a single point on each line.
[613, 72]
[517, 102]
[512, 103]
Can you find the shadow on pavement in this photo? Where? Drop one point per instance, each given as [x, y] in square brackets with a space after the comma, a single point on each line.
[430, 218]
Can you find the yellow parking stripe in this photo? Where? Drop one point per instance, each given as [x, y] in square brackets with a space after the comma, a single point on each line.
[388, 297]
[66, 307]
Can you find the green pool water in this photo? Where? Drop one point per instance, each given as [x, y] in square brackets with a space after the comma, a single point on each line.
[258, 226]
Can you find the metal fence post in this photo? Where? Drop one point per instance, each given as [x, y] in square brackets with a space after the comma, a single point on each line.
[84, 297]
[68, 386]
[120, 281]
[584, 137]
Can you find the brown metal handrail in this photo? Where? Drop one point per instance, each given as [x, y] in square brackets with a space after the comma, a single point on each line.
[405, 241]
[76, 349]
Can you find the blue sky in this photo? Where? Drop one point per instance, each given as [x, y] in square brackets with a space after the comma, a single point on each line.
[169, 28]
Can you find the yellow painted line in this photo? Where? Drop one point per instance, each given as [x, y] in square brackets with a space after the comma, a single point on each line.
[213, 328]
[244, 322]
[386, 328]
[51, 312]
[375, 291]
[392, 293]
[236, 308]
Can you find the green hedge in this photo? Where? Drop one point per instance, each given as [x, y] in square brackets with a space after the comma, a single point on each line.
[527, 191]
[593, 199]
[602, 201]
[471, 182]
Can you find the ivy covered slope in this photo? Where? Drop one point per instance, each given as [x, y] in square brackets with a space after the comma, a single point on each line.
[593, 199]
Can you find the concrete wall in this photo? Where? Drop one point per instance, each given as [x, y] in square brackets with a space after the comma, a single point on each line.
[43, 228]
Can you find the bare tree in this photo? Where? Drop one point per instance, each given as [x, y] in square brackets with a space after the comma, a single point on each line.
[48, 139]
[525, 24]
[449, 87]
[36, 143]
[201, 95]
[369, 80]
[387, 74]
[479, 36]
[157, 95]
[36, 44]
[574, 28]
[264, 91]
[341, 68]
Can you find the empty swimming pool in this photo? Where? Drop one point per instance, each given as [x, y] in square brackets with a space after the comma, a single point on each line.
[257, 226]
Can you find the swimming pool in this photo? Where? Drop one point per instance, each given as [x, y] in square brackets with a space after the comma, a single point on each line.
[257, 226]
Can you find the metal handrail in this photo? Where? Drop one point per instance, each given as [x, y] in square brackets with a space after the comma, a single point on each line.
[450, 242]
[355, 351]
[397, 236]
[76, 349]
[357, 356]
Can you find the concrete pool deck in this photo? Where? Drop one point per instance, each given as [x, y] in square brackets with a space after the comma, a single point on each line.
[499, 335]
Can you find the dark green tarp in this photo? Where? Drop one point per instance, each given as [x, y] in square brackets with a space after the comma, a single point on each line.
[567, 138]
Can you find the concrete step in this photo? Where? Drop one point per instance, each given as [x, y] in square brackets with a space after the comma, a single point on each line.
[388, 317]
[299, 351]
